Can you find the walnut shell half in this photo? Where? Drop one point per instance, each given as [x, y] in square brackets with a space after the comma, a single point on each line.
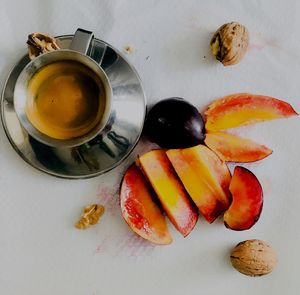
[253, 258]
[39, 43]
[229, 43]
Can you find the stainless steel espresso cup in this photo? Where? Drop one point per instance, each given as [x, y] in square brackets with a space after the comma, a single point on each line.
[78, 53]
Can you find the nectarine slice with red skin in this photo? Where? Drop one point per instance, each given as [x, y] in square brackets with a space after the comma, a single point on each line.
[243, 109]
[139, 210]
[205, 177]
[170, 191]
[233, 148]
[247, 200]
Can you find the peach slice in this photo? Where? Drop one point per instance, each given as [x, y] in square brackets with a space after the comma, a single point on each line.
[234, 148]
[247, 200]
[170, 191]
[245, 108]
[139, 210]
[205, 177]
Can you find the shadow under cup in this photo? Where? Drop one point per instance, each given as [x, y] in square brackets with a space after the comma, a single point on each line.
[62, 98]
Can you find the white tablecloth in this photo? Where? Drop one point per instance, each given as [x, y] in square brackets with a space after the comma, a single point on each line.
[40, 250]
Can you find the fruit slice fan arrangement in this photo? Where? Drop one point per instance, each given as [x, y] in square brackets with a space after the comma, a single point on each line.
[190, 173]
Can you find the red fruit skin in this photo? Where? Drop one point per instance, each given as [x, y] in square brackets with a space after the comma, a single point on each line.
[140, 211]
[247, 200]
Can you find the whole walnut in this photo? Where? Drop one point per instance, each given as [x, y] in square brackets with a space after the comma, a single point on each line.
[229, 43]
[253, 258]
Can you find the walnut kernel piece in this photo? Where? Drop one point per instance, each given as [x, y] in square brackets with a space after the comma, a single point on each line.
[229, 43]
[90, 216]
[253, 258]
[39, 43]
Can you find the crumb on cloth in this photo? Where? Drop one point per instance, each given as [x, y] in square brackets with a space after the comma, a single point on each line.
[129, 49]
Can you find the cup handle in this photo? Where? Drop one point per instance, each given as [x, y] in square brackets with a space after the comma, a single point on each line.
[81, 41]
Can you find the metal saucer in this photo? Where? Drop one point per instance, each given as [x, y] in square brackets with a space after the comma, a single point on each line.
[108, 149]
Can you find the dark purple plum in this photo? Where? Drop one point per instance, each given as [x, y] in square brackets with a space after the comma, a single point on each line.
[174, 123]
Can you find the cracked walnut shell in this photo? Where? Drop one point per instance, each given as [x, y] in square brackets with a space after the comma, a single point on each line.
[39, 43]
[253, 258]
[229, 43]
[90, 216]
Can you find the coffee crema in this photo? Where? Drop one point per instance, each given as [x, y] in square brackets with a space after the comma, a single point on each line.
[65, 100]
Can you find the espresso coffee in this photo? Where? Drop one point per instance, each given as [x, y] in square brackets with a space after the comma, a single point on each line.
[65, 100]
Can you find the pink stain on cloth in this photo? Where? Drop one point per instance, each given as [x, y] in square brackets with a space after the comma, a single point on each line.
[266, 184]
[128, 245]
[109, 198]
[259, 42]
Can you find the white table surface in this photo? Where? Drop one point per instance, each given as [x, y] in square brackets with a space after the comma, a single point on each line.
[40, 250]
